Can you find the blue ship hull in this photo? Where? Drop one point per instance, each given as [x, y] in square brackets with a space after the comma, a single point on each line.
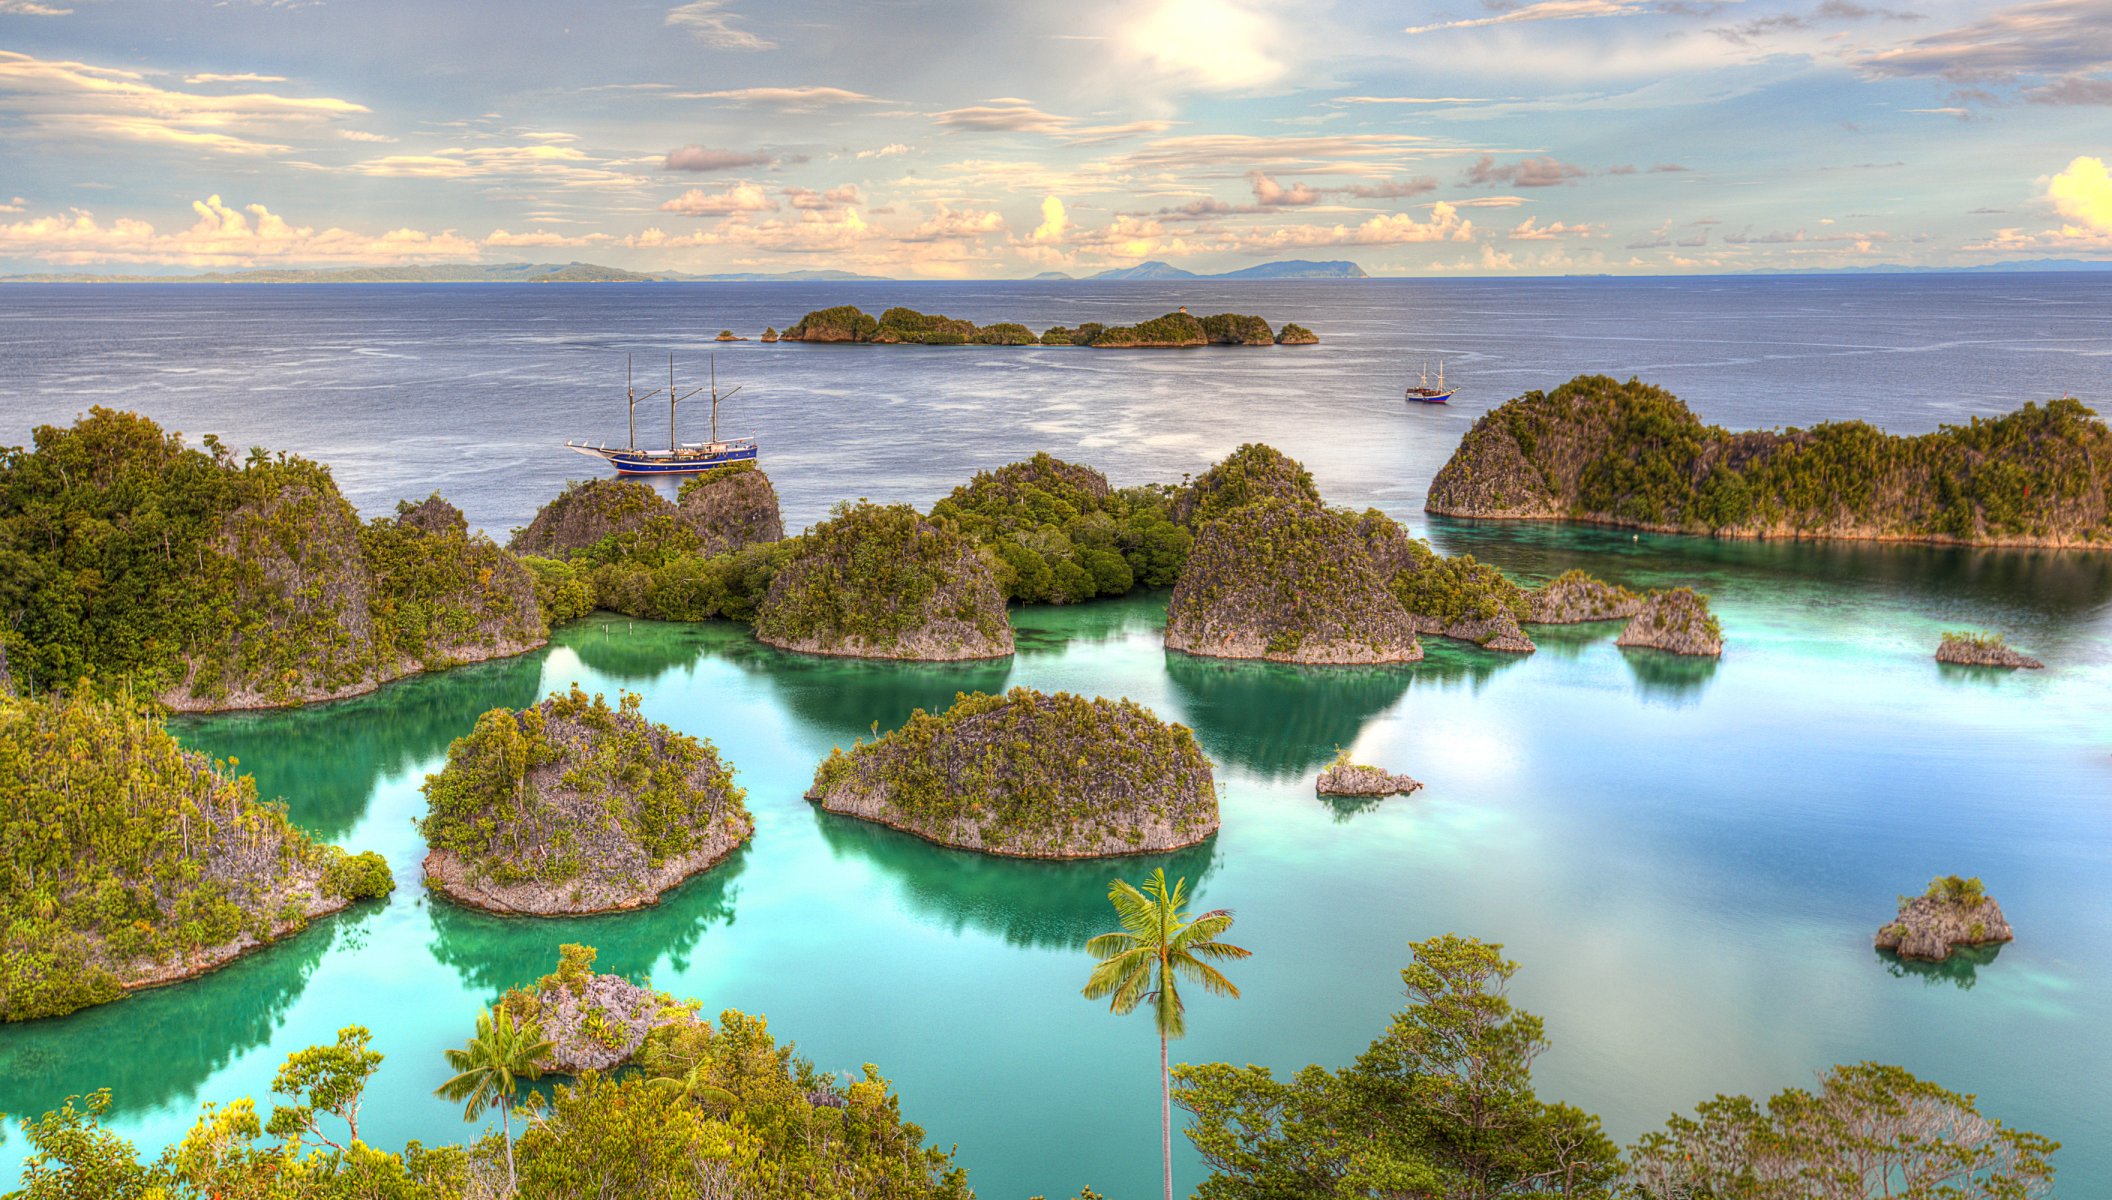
[689, 460]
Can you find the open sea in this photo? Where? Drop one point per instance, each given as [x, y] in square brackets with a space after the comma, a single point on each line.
[1687, 858]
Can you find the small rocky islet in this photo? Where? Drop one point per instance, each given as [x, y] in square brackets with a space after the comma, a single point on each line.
[1953, 912]
[1347, 778]
[1967, 649]
[1030, 775]
[593, 1021]
[572, 806]
[134, 862]
[906, 326]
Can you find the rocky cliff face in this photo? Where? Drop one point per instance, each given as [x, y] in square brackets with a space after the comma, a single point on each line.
[1574, 598]
[883, 582]
[1356, 779]
[1982, 650]
[715, 512]
[574, 807]
[1288, 582]
[1930, 926]
[1632, 455]
[1677, 620]
[1030, 775]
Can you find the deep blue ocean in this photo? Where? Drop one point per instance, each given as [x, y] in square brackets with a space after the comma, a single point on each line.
[1688, 859]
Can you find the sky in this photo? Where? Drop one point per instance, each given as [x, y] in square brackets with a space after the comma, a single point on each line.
[944, 139]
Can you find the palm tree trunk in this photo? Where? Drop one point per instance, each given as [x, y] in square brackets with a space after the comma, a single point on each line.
[513, 1183]
[1166, 1115]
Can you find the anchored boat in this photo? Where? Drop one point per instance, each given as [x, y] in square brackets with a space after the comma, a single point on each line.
[1423, 393]
[680, 458]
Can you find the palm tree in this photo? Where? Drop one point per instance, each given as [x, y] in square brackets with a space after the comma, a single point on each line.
[1156, 947]
[489, 1071]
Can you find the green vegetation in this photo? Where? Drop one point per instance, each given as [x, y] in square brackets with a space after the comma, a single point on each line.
[129, 559]
[1974, 640]
[1957, 891]
[709, 1111]
[1237, 329]
[1057, 534]
[1030, 774]
[1450, 591]
[130, 859]
[1631, 454]
[1252, 472]
[881, 581]
[1157, 947]
[1293, 334]
[898, 326]
[573, 790]
[1442, 1104]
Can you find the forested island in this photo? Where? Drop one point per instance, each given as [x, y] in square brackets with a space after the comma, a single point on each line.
[907, 326]
[1030, 775]
[132, 862]
[1632, 455]
[574, 806]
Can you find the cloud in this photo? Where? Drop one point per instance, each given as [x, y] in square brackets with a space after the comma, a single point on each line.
[2073, 90]
[1541, 171]
[74, 100]
[31, 8]
[18, 204]
[1832, 11]
[1409, 100]
[565, 166]
[803, 99]
[222, 236]
[948, 223]
[1268, 153]
[1054, 221]
[703, 158]
[1530, 230]
[2083, 195]
[887, 151]
[836, 197]
[1205, 45]
[740, 198]
[214, 77]
[1013, 115]
[1546, 10]
[2043, 38]
[710, 22]
[1387, 229]
[1270, 194]
[544, 239]
[361, 135]
[1391, 189]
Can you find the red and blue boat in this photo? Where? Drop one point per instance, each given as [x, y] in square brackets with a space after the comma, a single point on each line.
[680, 458]
[1423, 393]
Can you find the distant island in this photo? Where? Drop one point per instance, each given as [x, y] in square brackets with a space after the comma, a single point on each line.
[580, 272]
[907, 326]
[1631, 455]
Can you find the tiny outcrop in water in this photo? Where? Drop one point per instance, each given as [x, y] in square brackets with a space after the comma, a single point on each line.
[212, 582]
[1632, 455]
[878, 581]
[1293, 334]
[1954, 912]
[610, 519]
[572, 806]
[1030, 775]
[593, 1022]
[1345, 777]
[1575, 597]
[1288, 582]
[1675, 619]
[133, 862]
[770, 334]
[1968, 649]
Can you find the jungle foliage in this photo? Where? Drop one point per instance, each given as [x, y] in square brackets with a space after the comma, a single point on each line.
[1056, 533]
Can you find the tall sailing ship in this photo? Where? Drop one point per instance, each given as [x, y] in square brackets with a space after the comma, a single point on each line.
[680, 458]
[1423, 393]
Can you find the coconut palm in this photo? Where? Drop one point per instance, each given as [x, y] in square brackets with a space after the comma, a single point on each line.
[1157, 947]
[490, 1069]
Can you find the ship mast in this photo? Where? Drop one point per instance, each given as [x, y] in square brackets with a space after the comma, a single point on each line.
[715, 398]
[673, 400]
[632, 397]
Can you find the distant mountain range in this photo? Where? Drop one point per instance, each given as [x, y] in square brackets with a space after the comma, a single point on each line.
[579, 272]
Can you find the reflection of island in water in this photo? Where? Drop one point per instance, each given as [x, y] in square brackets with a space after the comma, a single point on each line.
[1960, 970]
[493, 953]
[324, 760]
[630, 651]
[1053, 905]
[1663, 675]
[158, 1047]
[844, 697]
[1280, 720]
[1054, 628]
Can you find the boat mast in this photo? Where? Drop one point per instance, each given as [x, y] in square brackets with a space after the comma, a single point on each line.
[631, 396]
[1440, 374]
[673, 400]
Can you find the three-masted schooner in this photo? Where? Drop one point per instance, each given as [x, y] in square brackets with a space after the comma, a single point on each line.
[680, 458]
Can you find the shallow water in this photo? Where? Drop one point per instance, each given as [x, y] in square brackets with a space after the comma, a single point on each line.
[1688, 858]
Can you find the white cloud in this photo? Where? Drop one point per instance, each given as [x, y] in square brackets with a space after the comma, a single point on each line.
[1209, 45]
[223, 236]
[244, 77]
[740, 198]
[73, 100]
[710, 22]
[2083, 194]
[887, 151]
[1530, 230]
[1546, 10]
[802, 99]
[1054, 221]
[948, 223]
[31, 8]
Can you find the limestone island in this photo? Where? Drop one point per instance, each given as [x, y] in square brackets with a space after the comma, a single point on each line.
[246, 582]
[1953, 912]
[907, 326]
[1967, 649]
[571, 806]
[593, 1022]
[1577, 598]
[1632, 455]
[1344, 777]
[1457, 597]
[608, 519]
[1294, 334]
[1030, 775]
[878, 581]
[1678, 620]
[133, 862]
